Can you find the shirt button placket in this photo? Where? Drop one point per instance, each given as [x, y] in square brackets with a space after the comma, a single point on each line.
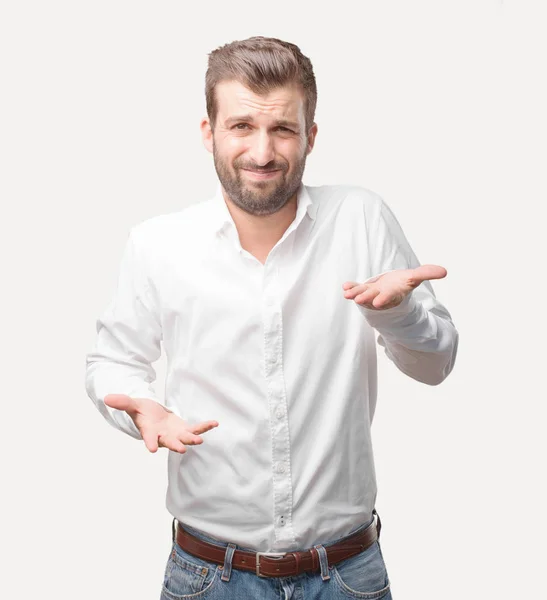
[273, 344]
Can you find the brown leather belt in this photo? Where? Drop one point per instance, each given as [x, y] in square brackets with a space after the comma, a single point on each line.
[285, 564]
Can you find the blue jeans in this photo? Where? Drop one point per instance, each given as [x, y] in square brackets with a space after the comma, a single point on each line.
[361, 576]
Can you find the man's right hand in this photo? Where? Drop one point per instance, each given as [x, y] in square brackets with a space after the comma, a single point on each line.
[158, 426]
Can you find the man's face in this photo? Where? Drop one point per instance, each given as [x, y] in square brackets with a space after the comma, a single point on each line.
[259, 145]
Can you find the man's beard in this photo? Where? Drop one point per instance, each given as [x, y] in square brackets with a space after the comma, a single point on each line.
[259, 197]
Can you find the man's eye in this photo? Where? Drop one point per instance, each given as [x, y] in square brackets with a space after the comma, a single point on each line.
[242, 126]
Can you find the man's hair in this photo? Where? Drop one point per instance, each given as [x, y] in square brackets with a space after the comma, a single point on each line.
[261, 64]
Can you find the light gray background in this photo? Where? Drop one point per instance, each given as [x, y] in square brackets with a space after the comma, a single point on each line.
[439, 107]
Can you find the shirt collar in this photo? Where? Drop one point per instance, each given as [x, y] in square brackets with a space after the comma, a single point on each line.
[221, 216]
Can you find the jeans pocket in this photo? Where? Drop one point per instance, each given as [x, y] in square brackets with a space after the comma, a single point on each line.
[363, 575]
[188, 576]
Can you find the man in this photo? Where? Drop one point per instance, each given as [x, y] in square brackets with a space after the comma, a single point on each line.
[267, 298]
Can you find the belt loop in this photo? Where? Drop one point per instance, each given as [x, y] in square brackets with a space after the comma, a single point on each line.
[379, 524]
[173, 529]
[323, 561]
[227, 567]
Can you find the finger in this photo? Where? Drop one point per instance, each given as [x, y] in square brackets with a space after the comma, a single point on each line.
[120, 401]
[368, 296]
[349, 284]
[150, 440]
[202, 427]
[172, 443]
[188, 438]
[382, 301]
[354, 291]
[177, 446]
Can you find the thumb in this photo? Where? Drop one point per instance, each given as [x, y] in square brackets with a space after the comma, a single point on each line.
[424, 272]
[121, 402]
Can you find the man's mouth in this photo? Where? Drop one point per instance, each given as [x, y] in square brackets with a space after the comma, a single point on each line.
[261, 174]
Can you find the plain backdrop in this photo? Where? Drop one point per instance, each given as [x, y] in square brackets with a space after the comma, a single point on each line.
[439, 107]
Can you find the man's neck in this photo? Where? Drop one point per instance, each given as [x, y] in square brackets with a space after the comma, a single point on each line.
[262, 231]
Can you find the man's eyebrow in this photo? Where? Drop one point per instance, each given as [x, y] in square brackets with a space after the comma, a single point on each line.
[249, 118]
[287, 123]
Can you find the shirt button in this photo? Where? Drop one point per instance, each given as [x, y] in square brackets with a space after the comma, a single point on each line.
[279, 414]
[280, 468]
[273, 359]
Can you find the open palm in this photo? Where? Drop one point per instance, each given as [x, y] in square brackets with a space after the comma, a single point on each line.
[159, 426]
[390, 289]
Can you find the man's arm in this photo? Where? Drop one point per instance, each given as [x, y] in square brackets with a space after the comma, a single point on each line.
[418, 335]
[128, 341]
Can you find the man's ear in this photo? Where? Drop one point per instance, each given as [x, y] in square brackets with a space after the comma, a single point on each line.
[311, 138]
[207, 134]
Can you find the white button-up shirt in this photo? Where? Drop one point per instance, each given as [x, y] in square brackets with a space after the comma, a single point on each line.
[275, 353]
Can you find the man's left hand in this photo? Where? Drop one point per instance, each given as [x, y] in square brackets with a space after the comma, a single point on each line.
[390, 289]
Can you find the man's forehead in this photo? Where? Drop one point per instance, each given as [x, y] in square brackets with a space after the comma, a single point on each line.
[234, 97]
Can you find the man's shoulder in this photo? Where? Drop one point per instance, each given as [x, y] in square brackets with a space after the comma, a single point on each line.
[338, 194]
[180, 223]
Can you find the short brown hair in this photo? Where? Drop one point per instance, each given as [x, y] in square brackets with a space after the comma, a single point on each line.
[261, 64]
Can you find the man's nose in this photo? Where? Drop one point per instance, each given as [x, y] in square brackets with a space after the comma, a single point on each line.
[262, 149]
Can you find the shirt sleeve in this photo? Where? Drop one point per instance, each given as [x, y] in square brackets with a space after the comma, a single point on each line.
[128, 341]
[418, 336]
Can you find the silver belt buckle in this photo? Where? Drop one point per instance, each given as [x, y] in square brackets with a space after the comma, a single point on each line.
[259, 554]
